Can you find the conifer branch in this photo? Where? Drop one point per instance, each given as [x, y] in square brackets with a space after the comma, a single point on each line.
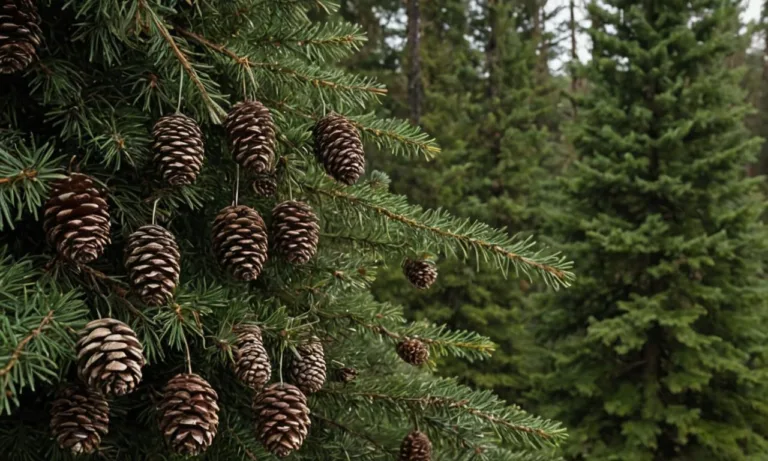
[350, 431]
[22, 344]
[24, 174]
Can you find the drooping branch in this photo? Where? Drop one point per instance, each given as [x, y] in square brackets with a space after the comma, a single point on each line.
[23, 343]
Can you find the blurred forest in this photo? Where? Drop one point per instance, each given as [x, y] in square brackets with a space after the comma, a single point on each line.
[657, 353]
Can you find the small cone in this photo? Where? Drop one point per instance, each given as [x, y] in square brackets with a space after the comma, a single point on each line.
[308, 369]
[416, 447]
[76, 218]
[421, 273]
[189, 414]
[153, 262]
[179, 149]
[282, 418]
[251, 134]
[265, 185]
[413, 351]
[252, 364]
[20, 35]
[79, 419]
[339, 149]
[109, 357]
[295, 231]
[240, 241]
[346, 374]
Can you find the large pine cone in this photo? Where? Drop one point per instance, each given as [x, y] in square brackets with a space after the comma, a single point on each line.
[421, 273]
[296, 231]
[179, 149]
[416, 447]
[76, 218]
[109, 357]
[240, 241]
[338, 147]
[252, 364]
[282, 418]
[153, 259]
[20, 35]
[189, 414]
[413, 351]
[251, 134]
[308, 369]
[79, 419]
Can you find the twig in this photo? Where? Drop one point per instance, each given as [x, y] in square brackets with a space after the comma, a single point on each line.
[22, 175]
[22, 344]
[350, 431]
[248, 453]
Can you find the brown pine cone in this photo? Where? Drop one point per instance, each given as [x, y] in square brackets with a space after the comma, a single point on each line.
[20, 35]
[76, 218]
[79, 419]
[252, 364]
[265, 185]
[251, 134]
[109, 357]
[189, 414]
[240, 241]
[421, 273]
[346, 374]
[413, 351]
[308, 369]
[416, 447]
[338, 147]
[296, 231]
[282, 418]
[179, 149]
[153, 262]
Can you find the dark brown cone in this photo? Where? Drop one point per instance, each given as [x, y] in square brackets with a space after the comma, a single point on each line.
[346, 374]
[109, 357]
[189, 414]
[422, 274]
[152, 259]
[240, 241]
[308, 368]
[79, 419]
[265, 185]
[416, 447]
[76, 218]
[251, 134]
[179, 149]
[20, 34]
[339, 149]
[252, 364]
[413, 351]
[295, 231]
[282, 418]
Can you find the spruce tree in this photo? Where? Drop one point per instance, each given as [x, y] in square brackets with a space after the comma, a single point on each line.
[181, 272]
[658, 352]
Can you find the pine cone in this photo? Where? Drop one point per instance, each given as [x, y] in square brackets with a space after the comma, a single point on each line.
[152, 259]
[416, 447]
[346, 374]
[189, 414]
[413, 351]
[79, 419]
[240, 241]
[296, 231]
[76, 218]
[109, 357]
[282, 418]
[251, 134]
[308, 369]
[265, 185]
[252, 364]
[20, 35]
[178, 149]
[338, 147]
[421, 273]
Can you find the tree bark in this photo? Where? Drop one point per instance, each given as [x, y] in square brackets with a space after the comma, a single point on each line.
[415, 88]
[574, 44]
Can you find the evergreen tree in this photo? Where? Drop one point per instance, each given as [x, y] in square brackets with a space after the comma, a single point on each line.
[659, 350]
[163, 289]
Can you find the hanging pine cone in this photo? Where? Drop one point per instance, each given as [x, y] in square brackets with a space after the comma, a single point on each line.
[416, 447]
[152, 259]
[109, 357]
[189, 414]
[421, 273]
[346, 374]
[265, 185]
[308, 368]
[296, 231]
[79, 419]
[252, 364]
[20, 35]
[338, 147]
[413, 351]
[251, 134]
[240, 241]
[76, 218]
[178, 149]
[282, 418]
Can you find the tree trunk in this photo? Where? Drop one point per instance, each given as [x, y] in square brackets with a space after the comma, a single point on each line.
[415, 89]
[574, 50]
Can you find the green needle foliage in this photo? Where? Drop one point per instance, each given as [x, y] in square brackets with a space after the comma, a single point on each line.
[107, 71]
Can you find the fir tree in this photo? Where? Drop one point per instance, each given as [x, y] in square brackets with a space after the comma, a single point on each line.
[139, 263]
[659, 350]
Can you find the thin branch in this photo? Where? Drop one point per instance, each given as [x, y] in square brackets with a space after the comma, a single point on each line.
[21, 176]
[350, 431]
[248, 453]
[23, 343]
